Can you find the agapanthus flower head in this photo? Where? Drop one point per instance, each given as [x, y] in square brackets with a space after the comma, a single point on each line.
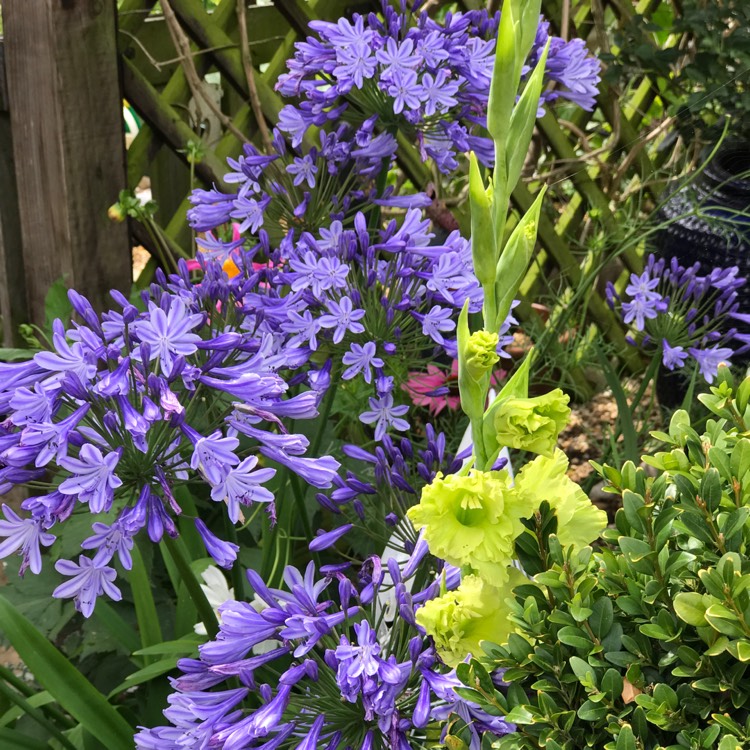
[688, 317]
[405, 72]
[333, 681]
[116, 415]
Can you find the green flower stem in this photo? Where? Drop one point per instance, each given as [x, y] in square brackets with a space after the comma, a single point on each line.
[35, 714]
[480, 456]
[175, 549]
[276, 546]
[238, 578]
[6, 675]
[145, 608]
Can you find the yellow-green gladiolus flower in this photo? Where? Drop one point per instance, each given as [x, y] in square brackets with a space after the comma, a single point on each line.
[531, 424]
[472, 521]
[579, 521]
[476, 611]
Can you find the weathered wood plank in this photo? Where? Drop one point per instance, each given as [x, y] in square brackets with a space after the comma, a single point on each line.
[13, 307]
[68, 145]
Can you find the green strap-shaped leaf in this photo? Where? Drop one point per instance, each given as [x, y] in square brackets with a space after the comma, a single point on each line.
[10, 739]
[145, 608]
[69, 687]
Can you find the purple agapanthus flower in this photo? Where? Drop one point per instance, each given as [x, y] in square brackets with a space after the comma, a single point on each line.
[429, 79]
[361, 358]
[89, 580]
[673, 356]
[116, 419]
[342, 317]
[690, 317]
[23, 535]
[709, 360]
[392, 687]
[384, 414]
[94, 479]
[242, 485]
[169, 334]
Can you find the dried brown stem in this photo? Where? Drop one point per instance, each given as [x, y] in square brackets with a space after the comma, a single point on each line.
[182, 45]
[252, 89]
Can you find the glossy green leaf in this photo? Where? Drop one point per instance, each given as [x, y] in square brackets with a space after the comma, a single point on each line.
[691, 608]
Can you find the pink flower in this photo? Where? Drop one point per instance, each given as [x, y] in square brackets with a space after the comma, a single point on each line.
[436, 389]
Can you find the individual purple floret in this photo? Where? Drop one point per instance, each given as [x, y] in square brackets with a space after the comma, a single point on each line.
[24, 536]
[384, 414]
[89, 580]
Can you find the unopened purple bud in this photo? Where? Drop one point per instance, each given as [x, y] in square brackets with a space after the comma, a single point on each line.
[421, 715]
[224, 342]
[394, 570]
[391, 520]
[389, 348]
[334, 568]
[330, 659]
[346, 591]
[406, 448]
[311, 669]
[359, 508]
[420, 551]
[112, 422]
[401, 483]
[407, 614]
[72, 386]
[326, 502]
[178, 366]
[224, 553]
[357, 453]
[83, 307]
[324, 540]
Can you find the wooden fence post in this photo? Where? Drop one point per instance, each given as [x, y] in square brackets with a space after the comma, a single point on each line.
[12, 286]
[66, 115]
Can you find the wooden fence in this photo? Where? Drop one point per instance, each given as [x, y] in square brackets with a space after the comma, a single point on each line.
[166, 58]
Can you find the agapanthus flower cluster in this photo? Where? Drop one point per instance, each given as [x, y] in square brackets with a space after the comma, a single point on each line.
[345, 673]
[134, 404]
[686, 316]
[296, 189]
[376, 303]
[403, 71]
